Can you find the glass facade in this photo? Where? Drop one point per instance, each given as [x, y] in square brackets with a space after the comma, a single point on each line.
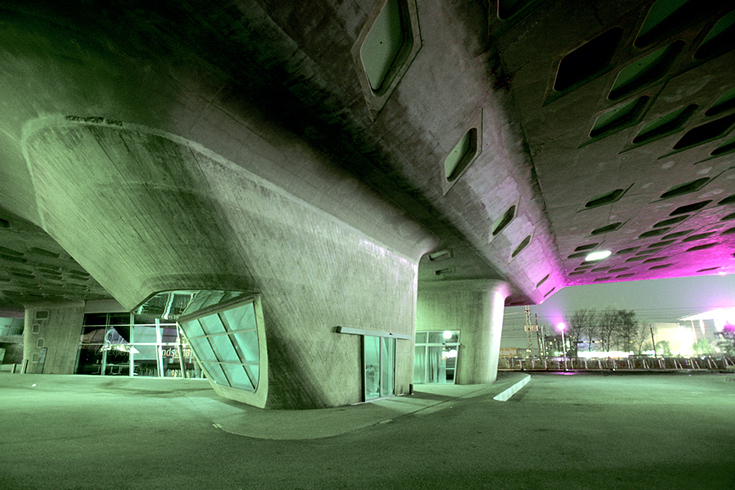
[435, 359]
[133, 345]
[379, 361]
[226, 343]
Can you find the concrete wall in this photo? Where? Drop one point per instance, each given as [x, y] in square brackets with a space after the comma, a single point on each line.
[169, 214]
[55, 327]
[475, 308]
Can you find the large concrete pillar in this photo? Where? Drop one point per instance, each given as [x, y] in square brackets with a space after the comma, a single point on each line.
[51, 337]
[475, 308]
[226, 228]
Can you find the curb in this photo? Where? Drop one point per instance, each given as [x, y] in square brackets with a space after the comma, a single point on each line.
[506, 394]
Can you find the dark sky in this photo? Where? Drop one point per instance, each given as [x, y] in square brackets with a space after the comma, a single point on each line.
[658, 300]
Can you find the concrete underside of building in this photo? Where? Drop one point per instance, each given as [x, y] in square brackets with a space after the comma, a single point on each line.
[352, 172]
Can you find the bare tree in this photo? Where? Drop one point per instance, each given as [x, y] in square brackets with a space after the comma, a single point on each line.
[583, 323]
[641, 337]
[608, 326]
[626, 331]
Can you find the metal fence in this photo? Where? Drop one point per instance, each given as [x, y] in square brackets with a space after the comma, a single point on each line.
[706, 363]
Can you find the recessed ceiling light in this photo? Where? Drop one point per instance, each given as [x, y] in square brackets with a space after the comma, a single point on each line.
[598, 255]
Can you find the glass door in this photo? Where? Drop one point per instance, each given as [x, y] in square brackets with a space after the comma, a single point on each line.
[435, 357]
[379, 366]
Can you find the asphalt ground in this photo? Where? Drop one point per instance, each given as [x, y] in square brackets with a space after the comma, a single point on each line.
[583, 431]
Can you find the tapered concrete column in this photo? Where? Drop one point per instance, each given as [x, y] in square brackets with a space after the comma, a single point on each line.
[475, 308]
[51, 337]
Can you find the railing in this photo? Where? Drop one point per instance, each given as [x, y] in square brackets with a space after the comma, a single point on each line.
[706, 363]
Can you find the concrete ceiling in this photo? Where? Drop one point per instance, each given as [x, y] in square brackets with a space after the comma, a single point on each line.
[597, 125]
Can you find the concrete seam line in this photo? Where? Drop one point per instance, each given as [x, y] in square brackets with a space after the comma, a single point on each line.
[506, 394]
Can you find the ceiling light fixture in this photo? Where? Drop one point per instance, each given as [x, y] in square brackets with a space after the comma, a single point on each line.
[598, 255]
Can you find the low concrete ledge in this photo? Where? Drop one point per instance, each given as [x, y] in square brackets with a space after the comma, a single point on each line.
[505, 395]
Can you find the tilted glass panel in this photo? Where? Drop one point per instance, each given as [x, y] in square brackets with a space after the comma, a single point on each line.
[214, 298]
[237, 376]
[212, 324]
[226, 342]
[192, 328]
[203, 349]
[216, 373]
[253, 372]
[240, 318]
[246, 345]
[230, 295]
[196, 302]
[223, 348]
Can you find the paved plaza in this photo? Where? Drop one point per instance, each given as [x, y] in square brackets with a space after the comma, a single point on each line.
[612, 431]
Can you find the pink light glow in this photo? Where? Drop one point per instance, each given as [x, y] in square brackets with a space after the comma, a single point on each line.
[561, 326]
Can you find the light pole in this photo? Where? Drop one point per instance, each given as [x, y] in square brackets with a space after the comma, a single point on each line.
[562, 327]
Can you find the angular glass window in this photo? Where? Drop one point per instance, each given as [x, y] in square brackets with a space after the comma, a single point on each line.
[644, 71]
[587, 61]
[676, 234]
[521, 246]
[720, 39]
[619, 117]
[689, 208]
[626, 251]
[607, 198]
[664, 125]
[723, 104]
[382, 45]
[698, 236]
[705, 132]
[461, 155]
[658, 232]
[504, 220]
[682, 189]
[538, 284]
[665, 17]
[727, 147]
[606, 228]
[670, 221]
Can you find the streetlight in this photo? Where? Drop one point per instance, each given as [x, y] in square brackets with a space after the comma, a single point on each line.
[561, 326]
